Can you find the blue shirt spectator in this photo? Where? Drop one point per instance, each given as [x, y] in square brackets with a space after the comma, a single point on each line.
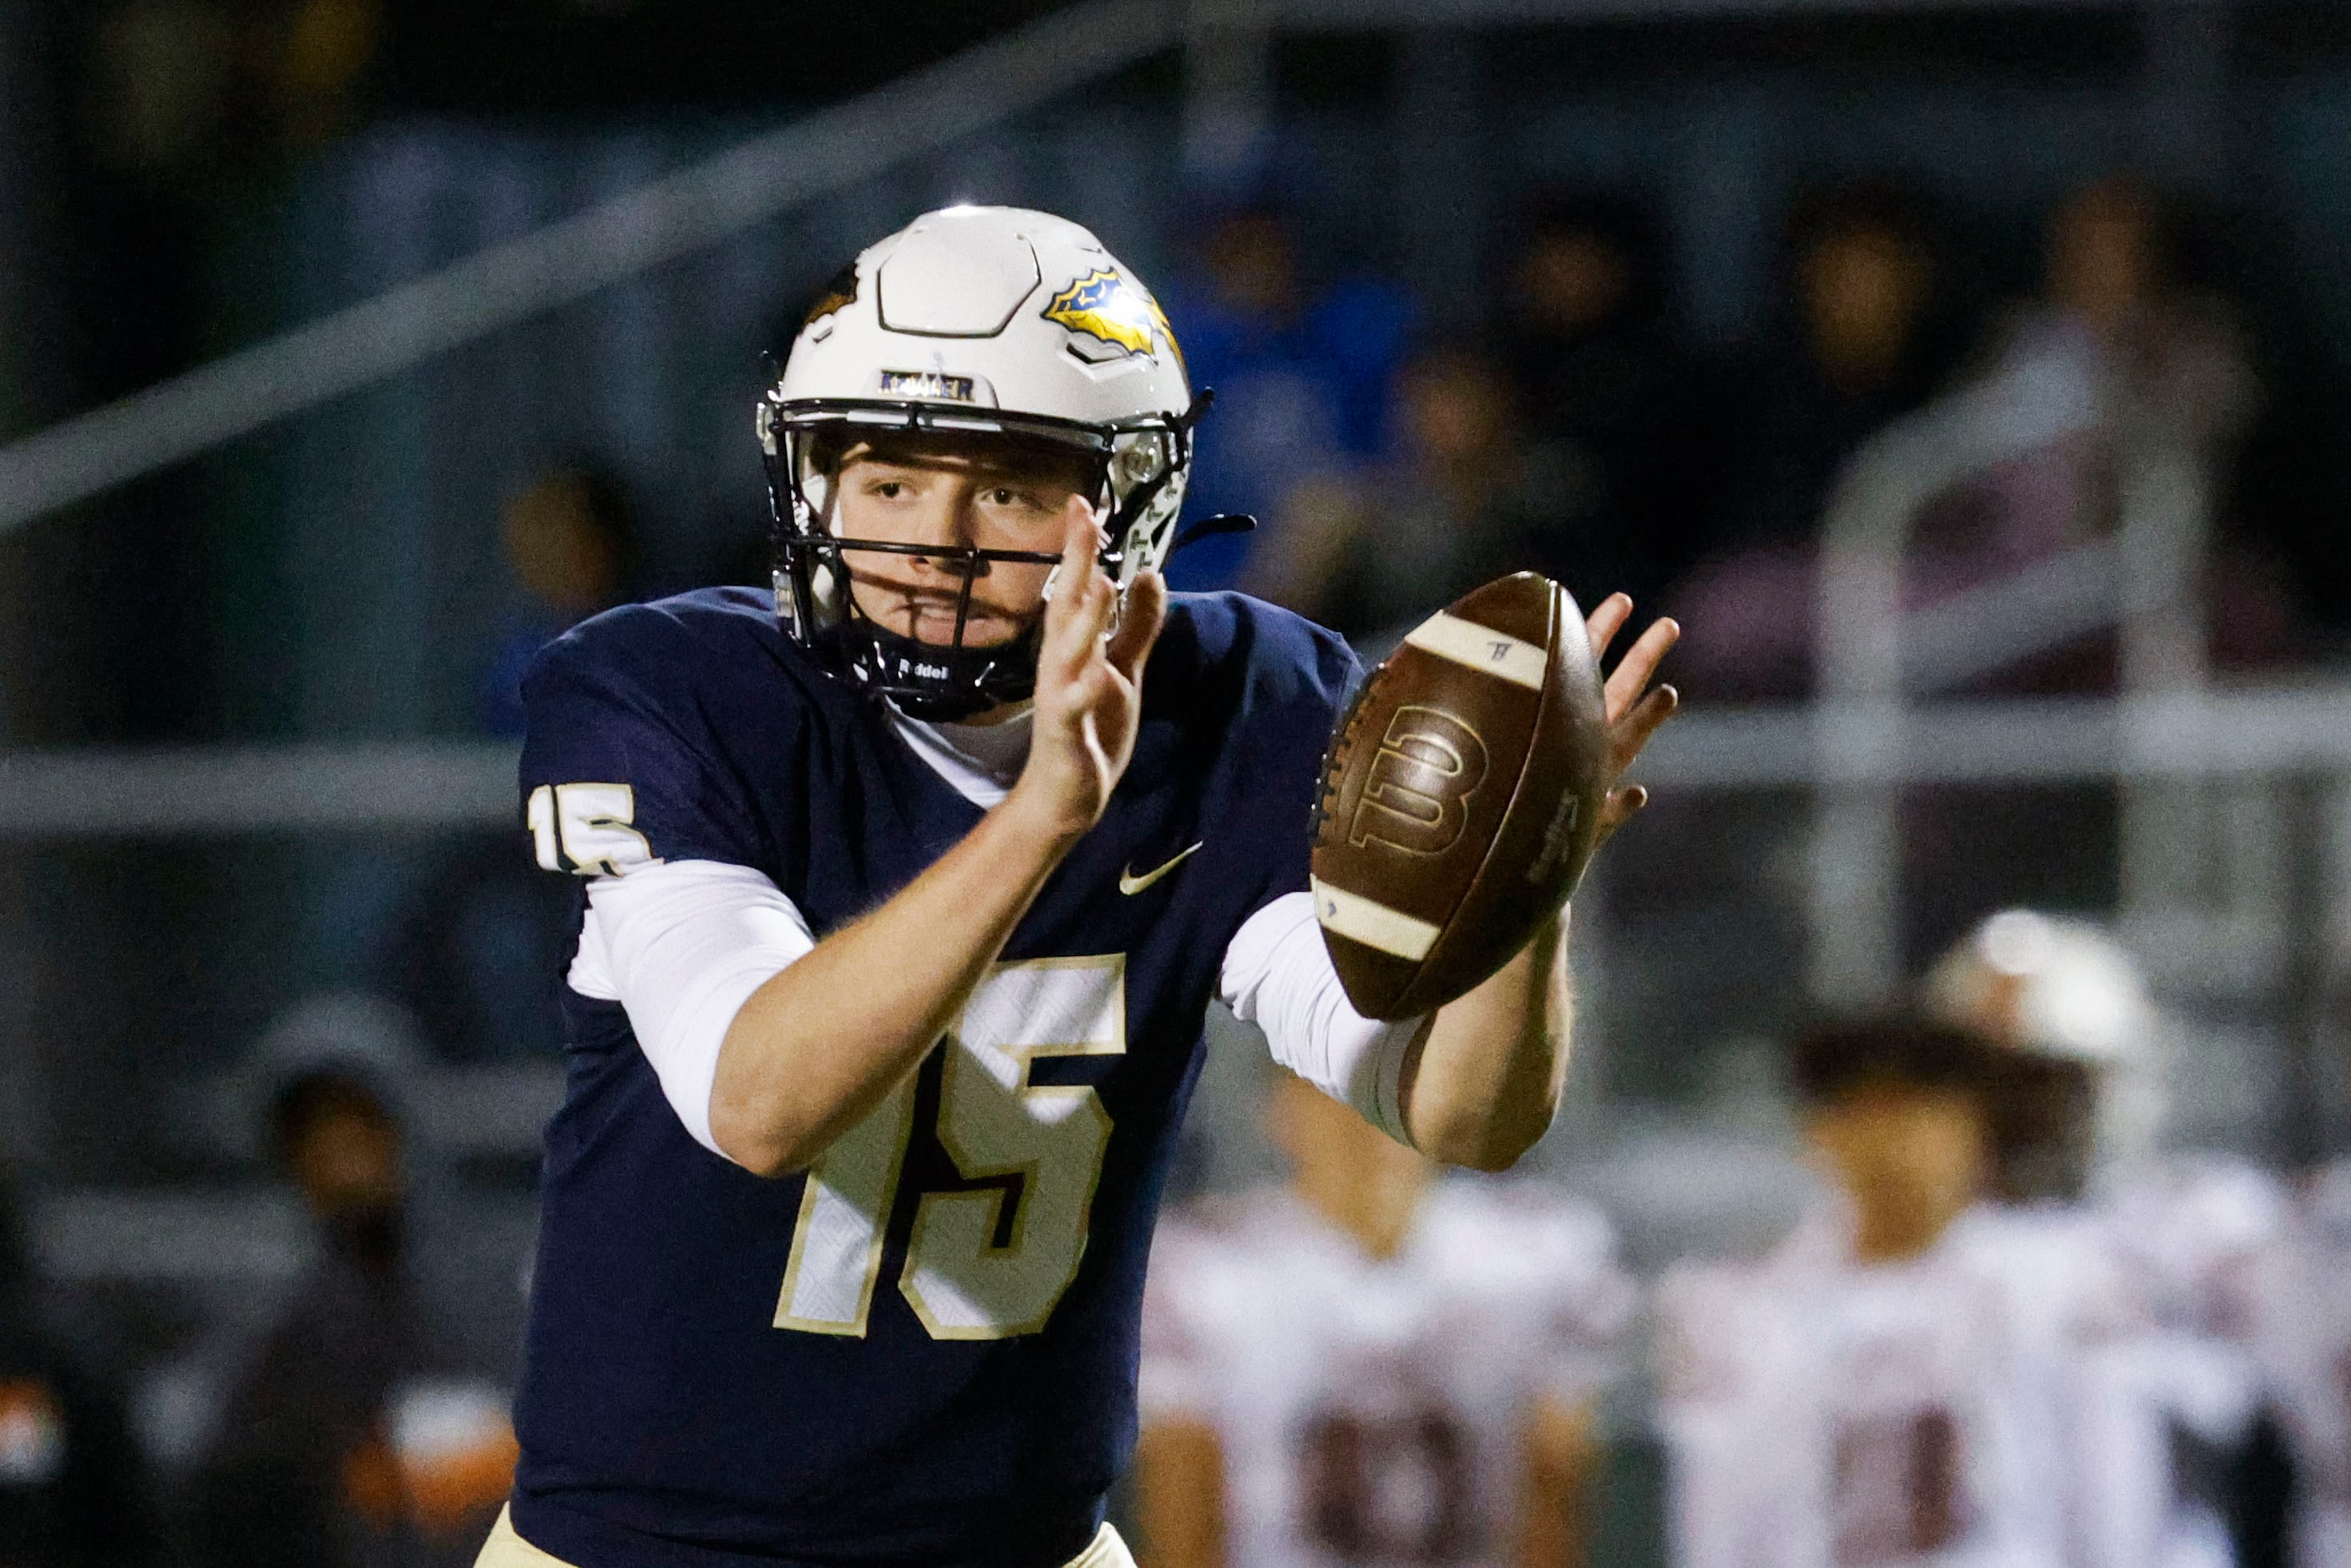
[1302, 382]
[570, 543]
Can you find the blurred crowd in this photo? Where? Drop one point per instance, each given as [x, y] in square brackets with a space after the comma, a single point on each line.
[1396, 458]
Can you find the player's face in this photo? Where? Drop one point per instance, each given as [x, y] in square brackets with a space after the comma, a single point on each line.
[1911, 1160]
[966, 497]
[2043, 1118]
[349, 1161]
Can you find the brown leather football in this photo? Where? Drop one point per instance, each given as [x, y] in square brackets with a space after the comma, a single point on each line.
[1460, 797]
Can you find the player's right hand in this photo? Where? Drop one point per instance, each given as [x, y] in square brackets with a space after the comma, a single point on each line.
[1088, 682]
[1637, 708]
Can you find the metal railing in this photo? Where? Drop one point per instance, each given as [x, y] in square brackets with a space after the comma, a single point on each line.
[1874, 658]
[2164, 737]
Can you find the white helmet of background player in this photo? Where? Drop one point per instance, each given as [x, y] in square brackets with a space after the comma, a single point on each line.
[2065, 995]
[991, 322]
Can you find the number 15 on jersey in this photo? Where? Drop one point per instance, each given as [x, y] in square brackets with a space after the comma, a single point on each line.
[993, 1123]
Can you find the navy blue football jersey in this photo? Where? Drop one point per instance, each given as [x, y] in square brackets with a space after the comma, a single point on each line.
[923, 1350]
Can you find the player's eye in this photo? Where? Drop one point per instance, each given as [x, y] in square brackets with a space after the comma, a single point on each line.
[888, 489]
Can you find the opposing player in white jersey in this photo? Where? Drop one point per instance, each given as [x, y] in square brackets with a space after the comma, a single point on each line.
[1370, 1367]
[1860, 1398]
[2136, 1271]
[2302, 1298]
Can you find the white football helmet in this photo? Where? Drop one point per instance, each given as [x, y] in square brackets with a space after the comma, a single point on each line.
[2065, 991]
[1000, 323]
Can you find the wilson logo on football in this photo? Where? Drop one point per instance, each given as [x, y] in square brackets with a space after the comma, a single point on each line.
[1417, 798]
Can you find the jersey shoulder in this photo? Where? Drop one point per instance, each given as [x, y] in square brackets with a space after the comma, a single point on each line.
[685, 648]
[1255, 660]
[1515, 1232]
[2326, 1201]
[660, 732]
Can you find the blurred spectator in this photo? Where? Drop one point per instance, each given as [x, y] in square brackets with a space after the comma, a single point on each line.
[190, 110]
[197, 88]
[1631, 440]
[570, 540]
[1868, 327]
[72, 1483]
[358, 1439]
[327, 48]
[2167, 367]
[1301, 377]
[2160, 371]
[475, 947]
[1463, 501]
[1370, 1367]
[1859, 1396]
[477, 941]
[2163, 366]
[2115, 305]
[1865, 332]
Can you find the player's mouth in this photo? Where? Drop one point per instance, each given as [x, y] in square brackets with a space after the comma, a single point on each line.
[928, 614]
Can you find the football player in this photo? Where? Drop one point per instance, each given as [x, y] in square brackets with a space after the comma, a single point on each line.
[2143, 1278]
[73, 1484]
[907, 888]
[1368, 1366]
[2305, 1317]
[1858, 1397]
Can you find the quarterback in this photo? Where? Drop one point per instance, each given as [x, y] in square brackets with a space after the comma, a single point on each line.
[906, 890]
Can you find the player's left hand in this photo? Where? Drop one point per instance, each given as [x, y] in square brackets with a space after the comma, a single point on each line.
[1636, 708]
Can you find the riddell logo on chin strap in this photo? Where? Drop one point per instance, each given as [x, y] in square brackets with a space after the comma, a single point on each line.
[1417, 799]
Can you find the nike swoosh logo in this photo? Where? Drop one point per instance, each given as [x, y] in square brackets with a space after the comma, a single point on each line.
[1131, 883]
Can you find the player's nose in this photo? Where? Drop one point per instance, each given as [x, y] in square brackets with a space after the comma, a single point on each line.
[949, 527]
[956, 526]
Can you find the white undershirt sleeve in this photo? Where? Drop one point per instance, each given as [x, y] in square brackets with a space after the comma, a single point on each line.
[1278, 975]
[681, 945]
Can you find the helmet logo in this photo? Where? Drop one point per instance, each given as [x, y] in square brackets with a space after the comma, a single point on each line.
[1106, 308]
[840, 290]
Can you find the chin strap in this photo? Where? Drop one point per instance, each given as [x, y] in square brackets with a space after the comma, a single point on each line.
[931, 681]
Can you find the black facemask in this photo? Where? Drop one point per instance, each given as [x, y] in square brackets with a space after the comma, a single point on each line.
[940, 685]
[937, 681]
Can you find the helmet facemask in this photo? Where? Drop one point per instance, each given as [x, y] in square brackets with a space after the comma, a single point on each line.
[1138, 471]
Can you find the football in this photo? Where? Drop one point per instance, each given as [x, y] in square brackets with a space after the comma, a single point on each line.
[1461, 796]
